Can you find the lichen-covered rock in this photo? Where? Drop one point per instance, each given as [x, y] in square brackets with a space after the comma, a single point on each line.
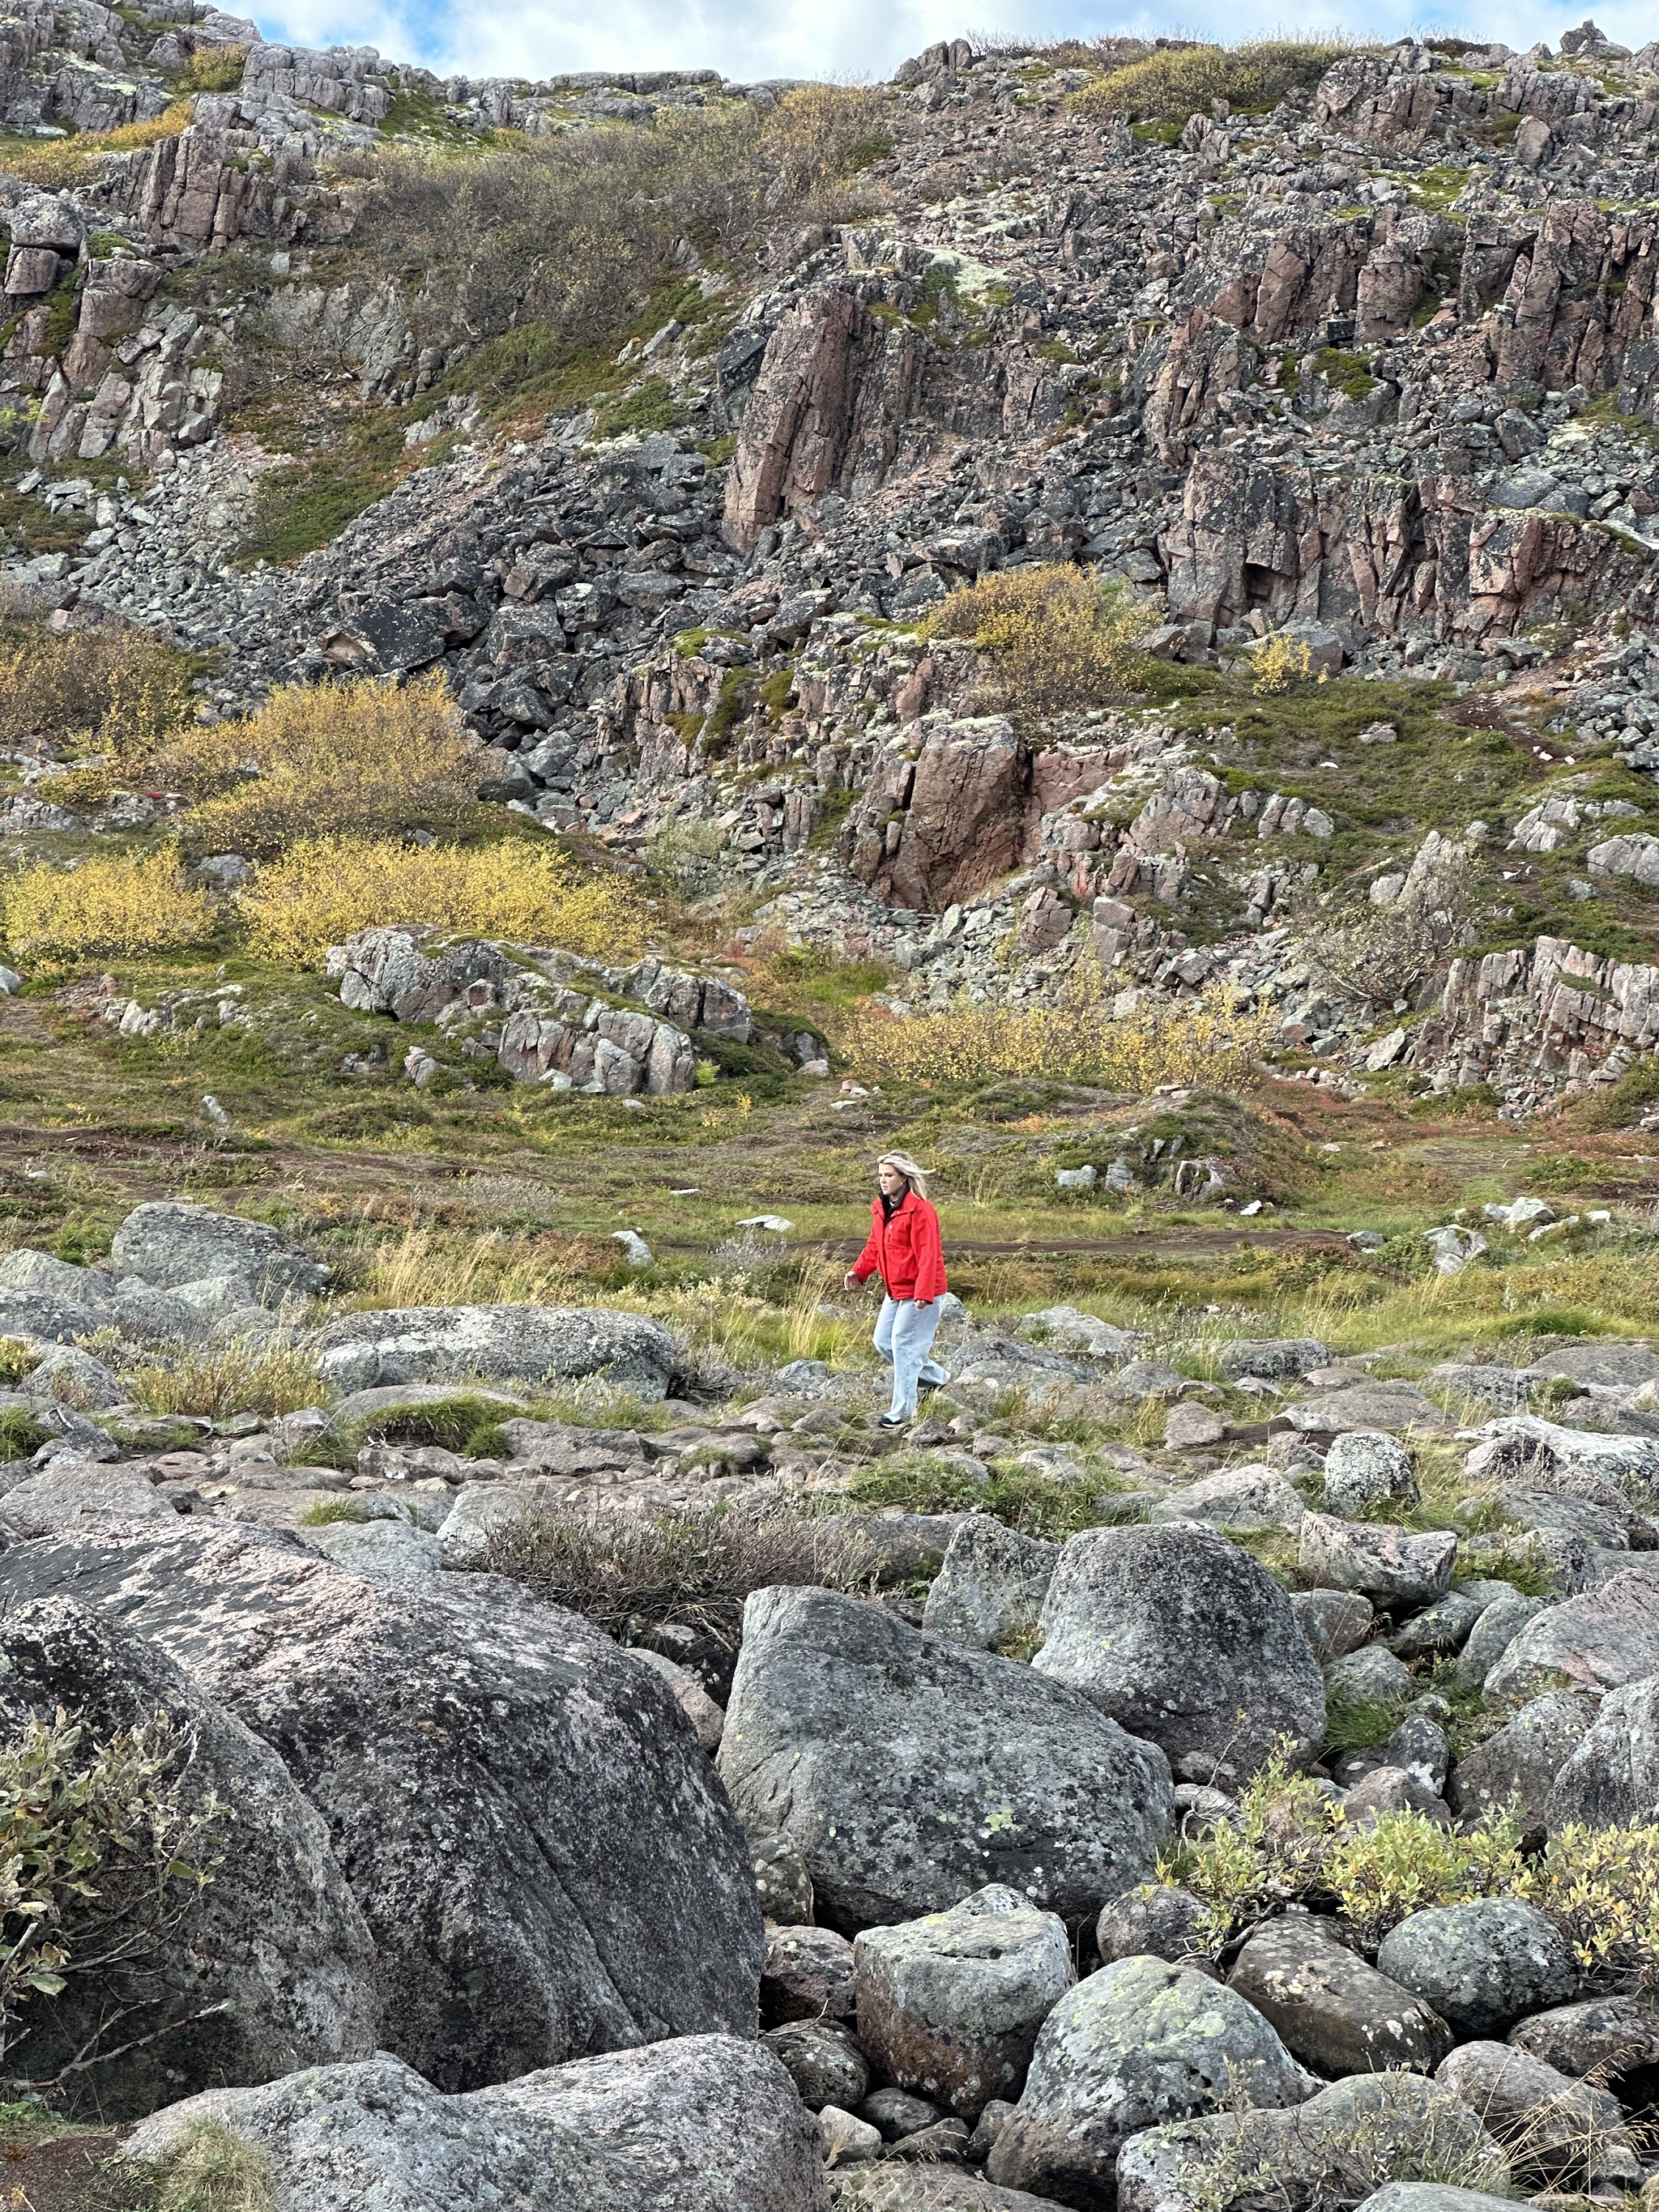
[1334, 2013]
[1609, 1778]
[908, 1771]
[1140, 2042]
[1184, 1640]
[700, 2123]
[271, 1967]
[167, 1245]
[1480, 1964]
[1600, 1641]
[951, 2005]
[1387, 1565]
[992, 1585]
[1521, 1761]
[542, 1853]
[1555, 2129]
[530, 1344]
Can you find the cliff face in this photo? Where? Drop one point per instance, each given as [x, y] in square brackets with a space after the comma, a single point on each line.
[1376, 365]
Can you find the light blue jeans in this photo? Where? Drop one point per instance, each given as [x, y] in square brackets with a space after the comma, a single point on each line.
[904, 1336]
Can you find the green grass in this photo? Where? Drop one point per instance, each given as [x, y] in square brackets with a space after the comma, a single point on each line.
[304, 503]
[649, 406]
[21, 1434]
[327, 1511]
[925, 1482]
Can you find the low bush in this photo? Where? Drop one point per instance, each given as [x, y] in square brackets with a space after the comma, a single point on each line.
[246, 1376]
[1214, 1045]
[1278, 662]
[319, 760]
[1054, 637]
[101, 687]
[1600, 1886]
[326, 888]
[119, 905]
[1375, 955]
[17, 1360]
[626, 1573]
[102, 1851]
[1173, 82]
[216, 68]
[470, 1425]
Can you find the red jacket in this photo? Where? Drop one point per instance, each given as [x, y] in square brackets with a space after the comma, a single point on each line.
[905, 1250]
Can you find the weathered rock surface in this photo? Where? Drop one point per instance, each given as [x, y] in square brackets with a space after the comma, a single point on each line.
[1609, 1778]
[530, 1344]
[951, 2005]
[270, 1968]
[542, 1853]
[167, 1245]
[701, 2124]
[1334, 2013]
[1521, 1762]
[992, 1585]
[908, 1771]
[1601, 1641]
[1183, 1640]
[1554, 2129]
[1480, 1964]
[1385, 1564]
[1135, 2044]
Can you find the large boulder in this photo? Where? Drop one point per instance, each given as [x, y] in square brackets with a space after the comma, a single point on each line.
[1610, 1780]
[1600, 1641]
[908, 1770]
[528, 1344]
[1614, 2038]
[1180, 1638]
[167, 1245]
[1334, 2013]
[1480, 1964]
[1554, 2129]
[543, 1854]
[1520, 1763]
[1140, 2042]
[270, 1966]
[992, 1585]
[951, 2005]
[70, 1492]
[702, 2124]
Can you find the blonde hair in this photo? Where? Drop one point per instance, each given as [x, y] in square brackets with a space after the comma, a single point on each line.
[915, 1176]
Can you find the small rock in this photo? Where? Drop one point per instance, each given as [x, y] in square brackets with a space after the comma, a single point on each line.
[1188, 1426]
[824, 2060]
[848, 2140]
[1385, 1563]
[1365, 1467]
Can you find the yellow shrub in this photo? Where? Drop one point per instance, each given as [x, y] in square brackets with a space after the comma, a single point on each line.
[1213, 1045]
[1600, 1886]
[1169, 85]
[168, 124]
[105, 687]
[327, 887]
[1055, 638]
[1280, 662]
[117, 905]
[325, 759]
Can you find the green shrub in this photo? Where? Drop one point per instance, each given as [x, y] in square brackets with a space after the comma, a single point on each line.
[17, 1360]
[470, 1425]
[327, 1511]
[20, 1435]
[1052, 637]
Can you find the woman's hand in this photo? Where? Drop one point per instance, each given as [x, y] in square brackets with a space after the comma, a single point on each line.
[850, 1281]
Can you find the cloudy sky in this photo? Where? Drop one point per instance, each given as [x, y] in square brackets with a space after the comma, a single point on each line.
[749, 38]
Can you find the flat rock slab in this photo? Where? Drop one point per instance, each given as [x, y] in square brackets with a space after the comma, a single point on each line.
[703, 2123]
[525, 1344]
[538, 1845]
[1600, 1641]
[1387, 1406]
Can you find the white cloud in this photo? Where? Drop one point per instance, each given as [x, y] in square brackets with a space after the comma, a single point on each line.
[751, 39]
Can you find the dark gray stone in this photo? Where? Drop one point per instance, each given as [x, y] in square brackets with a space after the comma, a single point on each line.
[1331, 2011]
[1557, 2131]
[1480, 1964]
[528, 1344]
[167, 1245]
[1610, 1778]
[824, 2060]
[1521, 1760]
[908, 1771]
[275, 1940]
[1156, 1920]
[1334, 1622]
[1184, 1640]
[542, 1852]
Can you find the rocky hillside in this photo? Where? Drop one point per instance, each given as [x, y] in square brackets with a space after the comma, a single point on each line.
[581, 658]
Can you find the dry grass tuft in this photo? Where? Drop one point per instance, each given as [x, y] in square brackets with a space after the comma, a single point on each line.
[246, 1376]
[327, 887]
[1054, 638]
[625, 1574]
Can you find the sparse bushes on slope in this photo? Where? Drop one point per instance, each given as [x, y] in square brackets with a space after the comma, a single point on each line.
[1213, 1045]
[1378, 954]
[327, 887]
[371, 755]
[100, 688]
[103, 906]
[1175, 81]
[1055, 637]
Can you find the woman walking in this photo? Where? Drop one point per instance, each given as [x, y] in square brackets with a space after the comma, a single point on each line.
[905, 1250]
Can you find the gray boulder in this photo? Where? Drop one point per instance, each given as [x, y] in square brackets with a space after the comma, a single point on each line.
[1521, 1761]
[69, 1493]
[890, 2186]
[394, 1547]
[702, 2124]
[1277, 1360]
[1615, 2039]
[992, 1585]
[1140, 2042]
[824, 2060]
[541, 1850]
[1334, 1622]
[1605, 1366]
[1184, 1640]
[951, 2005]
[1496, 1628]
[271, 1967]
[908, 1771]
[1480, 1964]
[45, 1314]
[1248, 1500]
[1365, 1467]
[1331, 2011]
[1354, 2136]
[1610, 1778]
[1155, 1919]
[167, 1244]
[806, 1974]
[1433, 2196]
[1555, 2131]
[29, 1270]
[1599, 1641]
[1387, 1405]
[1370, 1674]
[528, 1344]
[1440, 1629]
[1386, 1564]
